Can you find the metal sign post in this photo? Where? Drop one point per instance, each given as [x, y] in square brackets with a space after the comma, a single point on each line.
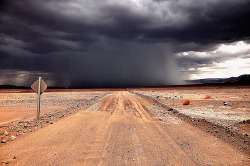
[39, 86]
[38, 98]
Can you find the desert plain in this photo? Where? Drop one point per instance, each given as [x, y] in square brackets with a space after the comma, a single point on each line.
[127, 126]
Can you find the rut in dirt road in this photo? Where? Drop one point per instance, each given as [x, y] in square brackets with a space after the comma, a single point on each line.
[120, 132]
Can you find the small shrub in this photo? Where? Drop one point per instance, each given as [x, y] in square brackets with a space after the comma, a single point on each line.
[207, 97]
[186, 102]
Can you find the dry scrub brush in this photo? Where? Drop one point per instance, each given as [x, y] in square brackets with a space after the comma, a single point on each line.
[207, 97]
[186, 102]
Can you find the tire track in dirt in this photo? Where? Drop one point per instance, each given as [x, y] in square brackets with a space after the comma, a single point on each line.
[121, 138]
[138, 106]
[226, 134]
[22, 126]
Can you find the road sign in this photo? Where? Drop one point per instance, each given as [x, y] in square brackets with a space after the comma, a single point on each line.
[35, 86]
[39, 87]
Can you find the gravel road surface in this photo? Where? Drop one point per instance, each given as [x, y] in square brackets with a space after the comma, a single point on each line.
[118, 130]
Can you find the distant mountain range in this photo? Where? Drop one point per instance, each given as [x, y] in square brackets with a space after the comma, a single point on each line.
[241, 80]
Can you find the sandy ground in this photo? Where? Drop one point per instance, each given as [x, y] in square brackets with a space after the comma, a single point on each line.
[227, 106]
[128, 127]
[235, 109]
[16, 106]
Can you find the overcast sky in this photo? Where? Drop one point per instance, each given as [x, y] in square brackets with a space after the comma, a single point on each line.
[112, 43]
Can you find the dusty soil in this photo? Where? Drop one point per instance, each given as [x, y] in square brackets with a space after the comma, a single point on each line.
[127, 127]
[16, 106]
[227, 106]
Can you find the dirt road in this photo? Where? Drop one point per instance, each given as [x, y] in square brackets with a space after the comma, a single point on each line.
[119, 132]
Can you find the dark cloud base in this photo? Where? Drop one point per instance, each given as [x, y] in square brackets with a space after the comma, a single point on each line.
[115, 45]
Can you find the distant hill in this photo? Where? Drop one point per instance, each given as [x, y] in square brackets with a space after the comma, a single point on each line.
[241, 80]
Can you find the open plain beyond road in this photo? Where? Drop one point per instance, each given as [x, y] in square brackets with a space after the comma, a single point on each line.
[118, 129]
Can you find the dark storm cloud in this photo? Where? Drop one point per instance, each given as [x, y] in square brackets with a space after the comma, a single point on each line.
[112, 43]
[209, 22]
[206, 23]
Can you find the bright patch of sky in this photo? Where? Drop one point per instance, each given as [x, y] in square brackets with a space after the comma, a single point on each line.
[230, 68]
[230, 60]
